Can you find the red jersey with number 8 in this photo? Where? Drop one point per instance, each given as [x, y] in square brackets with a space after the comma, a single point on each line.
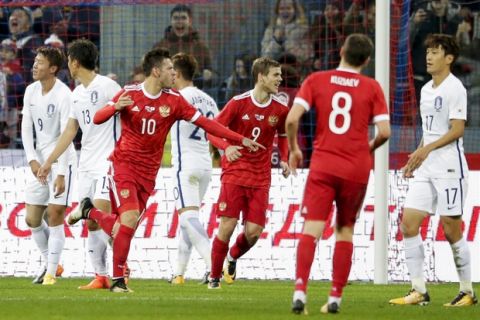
[259, 122]
[345, 103]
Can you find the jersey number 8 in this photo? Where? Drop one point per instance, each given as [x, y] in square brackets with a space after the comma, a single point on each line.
[339, 111]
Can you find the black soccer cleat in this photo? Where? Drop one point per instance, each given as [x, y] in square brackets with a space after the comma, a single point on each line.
[119, 286]
[81, 211]
[330, 308]
[205, 278]
[230, 272]
[298, 307]
[214, 283]
[39, 277]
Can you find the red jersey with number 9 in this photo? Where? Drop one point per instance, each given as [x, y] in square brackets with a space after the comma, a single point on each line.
[145, 126]
[345, 103]
[259, 122]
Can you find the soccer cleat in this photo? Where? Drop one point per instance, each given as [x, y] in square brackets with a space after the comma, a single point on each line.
[298, 307]
[412, 297]
[59, 271]
[80, 212]
[463, 299]
[126, 273]
[177, 280]
[230, 272]
[39, 277]
[119, 286]
[205, 278]
[214, 283]
[49, 280]
[99, 282]
[330, 308]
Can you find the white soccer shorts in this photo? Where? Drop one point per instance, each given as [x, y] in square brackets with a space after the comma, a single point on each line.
[93, 185]
[190, 187]
[39, 194]
[445, 197]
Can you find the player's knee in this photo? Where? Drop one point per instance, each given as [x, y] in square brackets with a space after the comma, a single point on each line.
[129, 218]
[32, 222]
[408, 229]
[253, 234]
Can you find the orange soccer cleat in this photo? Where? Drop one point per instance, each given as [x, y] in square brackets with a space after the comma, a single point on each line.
[100, 282]
[59, 271]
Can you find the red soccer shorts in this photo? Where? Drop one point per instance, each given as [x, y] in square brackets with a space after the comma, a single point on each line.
[128, 190]
[252, 202]
[320, 192]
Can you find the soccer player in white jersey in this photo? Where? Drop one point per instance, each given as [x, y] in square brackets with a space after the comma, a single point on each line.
[93, 92]
[193, 166]
[46, 106]
[439, 171]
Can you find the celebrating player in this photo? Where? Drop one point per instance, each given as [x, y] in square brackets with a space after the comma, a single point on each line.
[440, 182]
[345, 101]
[246, 176]
[147, 112]
[46, 106]
[93, 93]
[193, 166]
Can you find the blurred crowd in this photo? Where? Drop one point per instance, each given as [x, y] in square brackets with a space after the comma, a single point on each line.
[304, 36]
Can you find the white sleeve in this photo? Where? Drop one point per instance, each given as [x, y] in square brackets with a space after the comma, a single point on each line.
[112, 89]
[27, 130]
[458, 105]
[65, 107]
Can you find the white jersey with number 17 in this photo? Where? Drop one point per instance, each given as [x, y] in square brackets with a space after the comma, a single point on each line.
[98, 141]
[190, 148]
[438, 106]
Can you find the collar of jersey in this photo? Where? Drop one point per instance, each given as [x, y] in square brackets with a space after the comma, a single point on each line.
[148, 95]
[258, 104]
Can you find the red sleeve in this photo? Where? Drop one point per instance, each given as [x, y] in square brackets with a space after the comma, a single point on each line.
[304, 96]
[186, 111]
[224, 118]
[105, 113]
[216, 129]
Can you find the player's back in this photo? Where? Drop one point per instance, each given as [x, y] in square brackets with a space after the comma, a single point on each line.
[345, 103]
[190, 147]
[97, 140]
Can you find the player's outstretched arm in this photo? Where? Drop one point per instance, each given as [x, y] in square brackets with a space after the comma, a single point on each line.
[291, 127]
[104, 114]
[63, 142]
[216, 129]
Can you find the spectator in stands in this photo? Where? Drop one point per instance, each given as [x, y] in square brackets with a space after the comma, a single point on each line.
[239, 81]
[4, 14]
[137, 76]
[328, 36]
[287, 33]
[180, 36]
[437, 16]
[26, 41]
[76, 22]
[12, 87]
[64, 75]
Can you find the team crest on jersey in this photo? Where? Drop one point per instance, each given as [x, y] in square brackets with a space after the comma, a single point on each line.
[222, 206]
[273, 120]
[50, 110]
[259, 117]
[437, 104]
[164, 111]
[125, 193]
[94, 97]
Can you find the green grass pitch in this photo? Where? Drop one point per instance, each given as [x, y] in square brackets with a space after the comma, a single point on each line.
[253, 300]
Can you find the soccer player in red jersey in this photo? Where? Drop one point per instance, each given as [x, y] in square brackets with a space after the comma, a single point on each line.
[345, 102]
[246, 176]
[147, 111]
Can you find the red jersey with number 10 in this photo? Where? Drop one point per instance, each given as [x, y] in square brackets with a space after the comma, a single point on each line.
[145, 126]
[345, 103]
[259, 122]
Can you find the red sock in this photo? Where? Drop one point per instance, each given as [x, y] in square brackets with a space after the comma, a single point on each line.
[121, 247]
[240, 247]
[305, 254]
[219, 252]
[104, 220]
[342, 263]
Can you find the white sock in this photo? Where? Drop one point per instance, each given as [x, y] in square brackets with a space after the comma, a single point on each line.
[300, 295]
[56, 242]
[197, 234]
[40, 235]
[184, 251]
[414, 257]
[229, 257]
[461, 256]
[331, 300]
[97, 249]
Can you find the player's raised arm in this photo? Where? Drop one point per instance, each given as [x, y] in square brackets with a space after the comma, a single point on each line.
[121, 101]
[291, 127]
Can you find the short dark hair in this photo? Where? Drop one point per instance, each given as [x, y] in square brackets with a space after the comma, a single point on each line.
[357, 49]
[446, 42]
[262, 66]
[181, 8]
[85, 52]
[185, 64]
[54, 56]
[154, 58]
